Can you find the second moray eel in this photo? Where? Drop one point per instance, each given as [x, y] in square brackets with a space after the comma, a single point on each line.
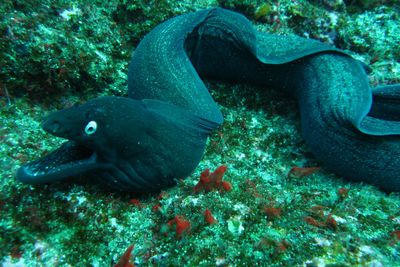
[145, 141]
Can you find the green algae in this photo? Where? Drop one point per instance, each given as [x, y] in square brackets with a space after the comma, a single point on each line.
[49, 61]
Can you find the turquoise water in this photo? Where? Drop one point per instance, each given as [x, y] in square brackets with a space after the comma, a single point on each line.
[57, 53]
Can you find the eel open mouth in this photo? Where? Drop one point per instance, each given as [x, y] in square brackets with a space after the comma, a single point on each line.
[70, 159]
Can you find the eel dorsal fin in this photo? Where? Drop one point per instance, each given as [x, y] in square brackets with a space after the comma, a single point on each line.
[386, 102]
[378, 127]
[180, 116]
[384, 116]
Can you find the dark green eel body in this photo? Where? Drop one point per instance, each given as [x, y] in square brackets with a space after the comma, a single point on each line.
[158, 134]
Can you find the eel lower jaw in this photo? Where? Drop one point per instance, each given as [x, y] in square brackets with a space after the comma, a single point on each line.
[70, 159]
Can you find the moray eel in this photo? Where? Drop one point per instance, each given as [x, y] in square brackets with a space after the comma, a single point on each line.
[156, 135]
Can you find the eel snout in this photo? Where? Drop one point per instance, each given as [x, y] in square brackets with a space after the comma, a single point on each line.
[68, 160]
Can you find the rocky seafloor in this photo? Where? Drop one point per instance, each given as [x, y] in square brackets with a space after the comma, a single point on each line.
[57, 53]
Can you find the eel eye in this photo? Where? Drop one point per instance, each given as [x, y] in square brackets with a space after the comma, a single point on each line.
[91, 127]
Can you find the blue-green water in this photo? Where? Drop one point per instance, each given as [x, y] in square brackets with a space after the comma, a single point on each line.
[57, 53]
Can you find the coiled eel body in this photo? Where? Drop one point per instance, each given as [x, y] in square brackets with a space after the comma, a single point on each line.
[145, 141]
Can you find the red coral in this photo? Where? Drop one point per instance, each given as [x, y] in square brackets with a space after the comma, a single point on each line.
[213, 181]
[395, 237]
[156, 208]
[312, 221]
[329, 222]
[300, 172]
[343, 192]
[182, 225]
[124, 261]
[208, 217]
[162, 195]
[136, 202]
[279, 246]
[272, 212]
[16, 252]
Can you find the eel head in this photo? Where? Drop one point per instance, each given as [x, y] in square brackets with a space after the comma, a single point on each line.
[99, 132]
